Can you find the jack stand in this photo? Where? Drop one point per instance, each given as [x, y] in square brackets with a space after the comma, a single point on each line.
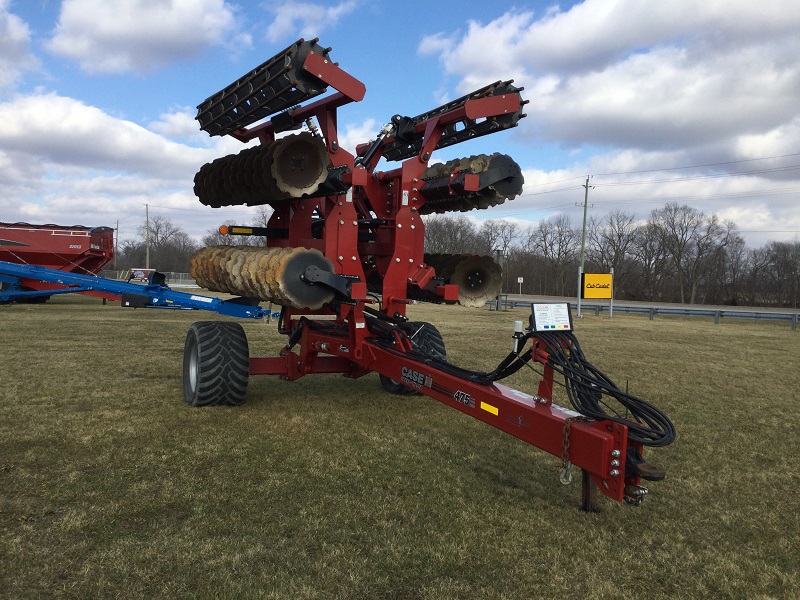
[588, 493]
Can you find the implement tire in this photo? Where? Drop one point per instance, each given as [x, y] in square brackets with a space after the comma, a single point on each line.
[425, 338]
[216, 364]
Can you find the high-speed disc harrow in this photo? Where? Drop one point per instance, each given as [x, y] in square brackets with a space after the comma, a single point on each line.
[346, 241]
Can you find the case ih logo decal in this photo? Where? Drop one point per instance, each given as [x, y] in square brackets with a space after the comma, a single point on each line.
[415, 379]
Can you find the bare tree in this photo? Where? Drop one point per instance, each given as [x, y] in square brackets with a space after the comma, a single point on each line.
[652, 260]
[611, 243]
[722, 283]
[450, 235]
[757, 277]
[161, 231]
[498, 236]
[690, 239]
[784, 271]
[558, 243]
[170, 247]
[263, 213]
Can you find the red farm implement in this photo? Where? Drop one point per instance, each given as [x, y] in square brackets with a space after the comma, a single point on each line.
[344, 256]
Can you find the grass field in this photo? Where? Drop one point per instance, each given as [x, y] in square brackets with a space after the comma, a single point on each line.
[110, 486]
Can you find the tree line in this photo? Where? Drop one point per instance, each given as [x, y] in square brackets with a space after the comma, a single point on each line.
[679, 254]
[171, 248]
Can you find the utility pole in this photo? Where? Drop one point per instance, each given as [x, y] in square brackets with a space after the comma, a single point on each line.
[583, 241]
[147, 236]
[116, 246]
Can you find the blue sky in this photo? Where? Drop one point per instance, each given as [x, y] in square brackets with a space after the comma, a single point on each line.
[680, 101]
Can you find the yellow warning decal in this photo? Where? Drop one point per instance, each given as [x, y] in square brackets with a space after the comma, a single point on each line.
[489, 408]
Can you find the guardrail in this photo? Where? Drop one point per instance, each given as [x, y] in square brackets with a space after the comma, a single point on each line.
[753, 314]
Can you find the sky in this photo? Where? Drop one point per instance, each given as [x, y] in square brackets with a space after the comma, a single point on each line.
[674, 101]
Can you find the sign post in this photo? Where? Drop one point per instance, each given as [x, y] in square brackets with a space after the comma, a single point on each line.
[611, 300]
[519, 281]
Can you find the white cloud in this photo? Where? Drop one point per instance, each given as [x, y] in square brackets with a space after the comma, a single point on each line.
[67, 132]
[181, 124]
[62, 161]
[642, 86]
[139, 35]
[763, 209]
[52, 132]
[15, 54]
[639, 74]
[305, 19]
[358, 134]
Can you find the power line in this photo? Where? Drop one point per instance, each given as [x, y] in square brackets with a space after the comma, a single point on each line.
[566, 189]
[718, 164]
[697, 177]
[557, 181]
[672, 180]
[721, 196]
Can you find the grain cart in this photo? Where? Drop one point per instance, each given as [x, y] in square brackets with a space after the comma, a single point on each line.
[344, 256]
[72, 249]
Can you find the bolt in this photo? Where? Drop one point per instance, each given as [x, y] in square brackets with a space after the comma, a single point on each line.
[353, 258]
[615, 453]
[615, 463]
[355, 223]
[614, 472]
[399, 225]
[411, 260]
[341, 258]
[413, 227]
[397, 260]
[341, 222]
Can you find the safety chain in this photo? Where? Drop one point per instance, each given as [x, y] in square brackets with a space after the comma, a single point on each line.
[565, 475]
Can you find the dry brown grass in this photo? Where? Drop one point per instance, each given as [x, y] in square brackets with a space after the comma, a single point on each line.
[110, 486]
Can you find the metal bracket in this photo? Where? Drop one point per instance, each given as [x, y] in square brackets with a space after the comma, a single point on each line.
[340, 284]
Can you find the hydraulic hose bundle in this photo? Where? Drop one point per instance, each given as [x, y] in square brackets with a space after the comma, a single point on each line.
[589, 391]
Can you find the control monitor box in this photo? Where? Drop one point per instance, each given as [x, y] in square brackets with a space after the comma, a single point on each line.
[551, 316]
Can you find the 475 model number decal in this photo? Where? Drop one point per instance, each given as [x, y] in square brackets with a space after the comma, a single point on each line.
[464, 398]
